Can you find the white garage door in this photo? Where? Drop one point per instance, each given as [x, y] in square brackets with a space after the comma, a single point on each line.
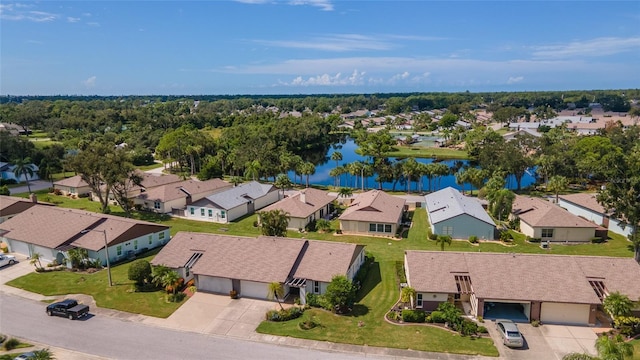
[46, 254]
[213, 284]
[20, 247]
[562, 313]
[254, 289]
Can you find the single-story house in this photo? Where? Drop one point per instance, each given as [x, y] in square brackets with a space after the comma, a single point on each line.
[176, 196]
[233, 203]
[221, 263]
[148, 182]
[52, 231]
[11, 206]
[451, 213]
[557, 289]
[307, 205]
[540, 219]
[586, 206]
[7, 172]
[72, 186]
[373, 213]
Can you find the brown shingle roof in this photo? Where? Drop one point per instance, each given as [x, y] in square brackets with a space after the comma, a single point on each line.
[527, 277]
[538, 212]
[10, 205]
[586, 200]
[376, 206]
[179, 190]
[52, 227]
[262, 259]
[324, 259]
[314, 200]
[74, 182]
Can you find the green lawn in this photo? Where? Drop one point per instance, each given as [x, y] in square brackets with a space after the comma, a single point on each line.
[377, 296]
[428, 152]
[120, 296]
[149, 167]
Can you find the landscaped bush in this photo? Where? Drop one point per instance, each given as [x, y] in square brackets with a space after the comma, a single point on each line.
[482, 330]
[437, 317]
[177, 297]
[285, 314]
[400, 274]
[432, 236]
[473, 239]
[318, 301]
[506, 236]
[413, 316]
[535, 323]
[394, 316]
[628, 325]
[468, 327]
[11, 344]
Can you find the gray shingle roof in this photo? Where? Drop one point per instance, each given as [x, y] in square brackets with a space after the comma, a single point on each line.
[449, 203]
[533, 277]
[236, 196]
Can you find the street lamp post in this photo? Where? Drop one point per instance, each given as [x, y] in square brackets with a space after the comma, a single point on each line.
[106, 251]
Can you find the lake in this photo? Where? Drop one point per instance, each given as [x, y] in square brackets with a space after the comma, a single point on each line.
[348, 150]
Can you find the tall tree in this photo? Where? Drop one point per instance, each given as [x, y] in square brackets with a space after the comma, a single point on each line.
[283, 183]
[621, 194]
[613, 348]
[442, 240]
[307, 169]
[557, 184]
[24, 167]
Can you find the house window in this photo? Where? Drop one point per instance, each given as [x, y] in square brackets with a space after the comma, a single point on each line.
[192, 210]
[381, 228]
[210, 213]
[447, 230]
[547, 233]
[150, 239]
[156, 205]
[135, 244]
[223, 214]
[161, 236]
[201, 212]
[72, 190]
[119, 250]
[418, 300]
[316, 287]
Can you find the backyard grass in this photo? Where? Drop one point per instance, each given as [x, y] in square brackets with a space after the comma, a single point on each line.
[121, 296]
[428, 152]
[155, 165]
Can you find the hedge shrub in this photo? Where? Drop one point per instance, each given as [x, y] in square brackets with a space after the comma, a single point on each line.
[473, 239]
[437, 317]
[285, 314]
[413, 316]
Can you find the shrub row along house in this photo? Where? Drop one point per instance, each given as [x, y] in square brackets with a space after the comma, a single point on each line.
[221, 263]
[52, 231]
[523, 287]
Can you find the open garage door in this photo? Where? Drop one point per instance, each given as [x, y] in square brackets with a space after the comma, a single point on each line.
[515, 311]
[563, 313]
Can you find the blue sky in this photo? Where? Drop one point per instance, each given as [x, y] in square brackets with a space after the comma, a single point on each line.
[316, 46]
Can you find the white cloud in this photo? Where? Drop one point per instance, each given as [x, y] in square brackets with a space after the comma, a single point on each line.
[17, 12]
[324, 5]
[515, 80]
[90, 82]
[603, 46]
[72, 19]
[345, 42]
[94, 24]
[356, 78]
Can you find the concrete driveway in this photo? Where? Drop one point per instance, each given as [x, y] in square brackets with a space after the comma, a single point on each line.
[217, 315]
[547, 341]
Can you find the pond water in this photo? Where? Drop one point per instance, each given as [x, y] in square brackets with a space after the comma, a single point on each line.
[349, 155]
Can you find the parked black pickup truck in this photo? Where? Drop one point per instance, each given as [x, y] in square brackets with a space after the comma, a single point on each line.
[68, 308]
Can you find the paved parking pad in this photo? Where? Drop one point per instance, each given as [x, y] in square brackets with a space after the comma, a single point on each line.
[567, 339]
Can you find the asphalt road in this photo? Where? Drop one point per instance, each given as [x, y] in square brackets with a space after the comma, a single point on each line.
[118, 339]
[34, 184]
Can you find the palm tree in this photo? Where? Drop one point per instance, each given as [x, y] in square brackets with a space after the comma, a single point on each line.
[276, 291]
[442, 239]
[613, 348]
[345, 192]
[274, 222]
[252, 170]
[171, 279]
[24, 167]
[407, 295]
[410, 168]
[337, 157]
[336, 173]
[35, 260]
[158, 272]
[44, 354]
[557, 184]
[617, 304]
[307, 169]
[283, 182]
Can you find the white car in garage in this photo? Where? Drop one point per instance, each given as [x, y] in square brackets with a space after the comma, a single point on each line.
[7, 260]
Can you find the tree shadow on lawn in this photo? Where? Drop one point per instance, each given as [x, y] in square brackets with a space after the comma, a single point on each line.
[372, 280]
